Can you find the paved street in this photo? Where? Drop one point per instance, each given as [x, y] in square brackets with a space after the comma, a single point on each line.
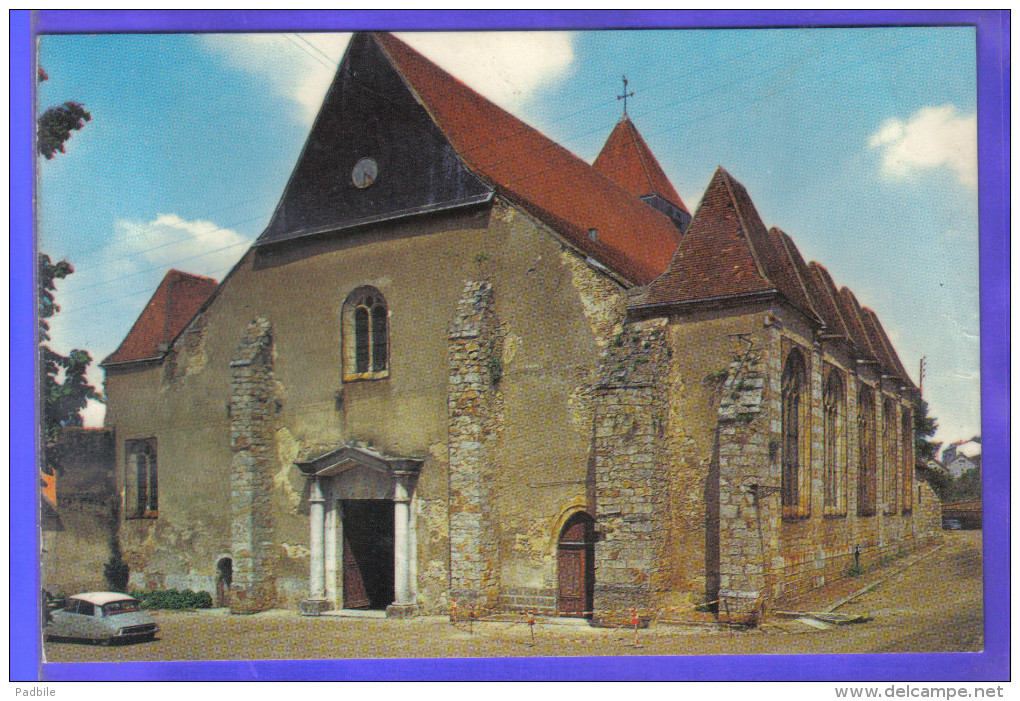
[934, 605]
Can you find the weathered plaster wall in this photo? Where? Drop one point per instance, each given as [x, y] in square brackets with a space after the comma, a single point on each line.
[759, 553]
[554, 313]
[77, 544]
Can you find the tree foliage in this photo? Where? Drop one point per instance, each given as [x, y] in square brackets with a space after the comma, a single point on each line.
[64, 388]
[55, 125]
[924, 427]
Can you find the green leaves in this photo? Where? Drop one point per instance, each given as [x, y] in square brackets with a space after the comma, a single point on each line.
[55, 125]
[63, 387]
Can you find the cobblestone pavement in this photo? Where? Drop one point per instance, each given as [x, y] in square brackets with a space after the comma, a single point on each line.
[934, 605]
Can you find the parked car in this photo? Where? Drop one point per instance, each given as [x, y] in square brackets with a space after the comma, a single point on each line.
[951, 524]
[101, 616]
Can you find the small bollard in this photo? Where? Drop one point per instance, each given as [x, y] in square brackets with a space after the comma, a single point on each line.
[635, 621]
[531, 625]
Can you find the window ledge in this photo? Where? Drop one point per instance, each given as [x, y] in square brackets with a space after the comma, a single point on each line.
[363, 376]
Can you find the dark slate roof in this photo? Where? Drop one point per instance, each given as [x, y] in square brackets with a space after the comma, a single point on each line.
[368, 112]
[627, 161]
[173, 304]
[539, 175]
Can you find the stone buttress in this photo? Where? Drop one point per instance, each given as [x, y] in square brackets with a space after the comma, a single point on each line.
[749, 499]
[630, 481]
[251, 438]
[475, 367]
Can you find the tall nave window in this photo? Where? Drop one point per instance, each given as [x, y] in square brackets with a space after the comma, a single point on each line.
[365, 335]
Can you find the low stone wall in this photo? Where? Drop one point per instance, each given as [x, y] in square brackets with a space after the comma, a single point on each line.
[527, 599]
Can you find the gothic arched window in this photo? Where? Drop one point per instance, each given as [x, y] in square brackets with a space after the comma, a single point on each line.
[834, 437]
[907, 450]
[141, 479]
[795, 437]
[365, 335]
[890, 458]
[866, 487]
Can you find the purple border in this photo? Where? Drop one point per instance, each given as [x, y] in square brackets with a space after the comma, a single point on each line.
[993, 104]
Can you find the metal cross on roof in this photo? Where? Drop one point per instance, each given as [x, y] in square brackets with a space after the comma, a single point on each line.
[625, 95]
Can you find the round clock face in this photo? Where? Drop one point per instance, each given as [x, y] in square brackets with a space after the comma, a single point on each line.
[364, 173]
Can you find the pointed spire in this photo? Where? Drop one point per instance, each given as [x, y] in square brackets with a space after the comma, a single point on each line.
[627, 161]
[720, 255]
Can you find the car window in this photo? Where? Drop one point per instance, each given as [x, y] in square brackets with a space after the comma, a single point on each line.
[86, 609]
[122, 606]
[71, 606]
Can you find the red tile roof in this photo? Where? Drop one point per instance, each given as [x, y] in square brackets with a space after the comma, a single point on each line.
[539, 175]
[725, 251]
[853, 315]
[173, 304]
[883, 346]
[627, 161]
[825, 295]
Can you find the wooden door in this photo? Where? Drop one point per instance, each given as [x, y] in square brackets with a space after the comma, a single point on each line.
[576, 565]
[355, 594]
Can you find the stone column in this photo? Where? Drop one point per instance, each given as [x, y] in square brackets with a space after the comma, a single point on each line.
[317, 523]
[403, 605]
[329, 547]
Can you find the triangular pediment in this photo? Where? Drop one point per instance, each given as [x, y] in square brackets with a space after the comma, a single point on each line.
[352, 456]
[374, 154]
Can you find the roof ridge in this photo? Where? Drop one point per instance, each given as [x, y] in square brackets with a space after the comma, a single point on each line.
[537, 173]
[726, 178]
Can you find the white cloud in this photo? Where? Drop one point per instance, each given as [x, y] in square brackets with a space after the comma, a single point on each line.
[934, 137]
[506, 67]
[296, 71]
[135, 260]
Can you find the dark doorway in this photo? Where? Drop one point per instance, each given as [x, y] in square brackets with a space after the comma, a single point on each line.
[224, 577]
[368, 553]
[576, 564]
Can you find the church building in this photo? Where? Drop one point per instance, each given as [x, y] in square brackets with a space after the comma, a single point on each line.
[461, 364]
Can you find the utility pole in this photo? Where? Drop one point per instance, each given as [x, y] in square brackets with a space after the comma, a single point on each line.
[921, 369]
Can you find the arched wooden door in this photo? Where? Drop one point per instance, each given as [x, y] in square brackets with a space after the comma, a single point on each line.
[576, 565]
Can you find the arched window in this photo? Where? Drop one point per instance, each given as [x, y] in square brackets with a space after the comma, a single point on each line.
[866, 487]
[365, 335]
[890, 458]
[834, 477]
[907, 450]
[141, 479]
[795, 438]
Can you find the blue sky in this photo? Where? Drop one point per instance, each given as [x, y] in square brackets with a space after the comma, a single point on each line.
[860, 143]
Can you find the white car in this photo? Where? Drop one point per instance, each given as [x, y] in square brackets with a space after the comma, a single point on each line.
[102, 616]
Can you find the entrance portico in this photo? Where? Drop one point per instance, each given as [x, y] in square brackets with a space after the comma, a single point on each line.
[346, 481]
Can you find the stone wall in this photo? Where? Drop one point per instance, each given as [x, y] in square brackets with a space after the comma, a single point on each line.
[475, 367]
[77, 538]
[252, 433]
[631, 567]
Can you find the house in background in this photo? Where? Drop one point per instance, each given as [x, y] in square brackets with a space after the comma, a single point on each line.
[962, 457]
[462, 364]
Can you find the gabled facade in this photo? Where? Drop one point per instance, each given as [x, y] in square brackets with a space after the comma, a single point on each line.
[462, 364]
